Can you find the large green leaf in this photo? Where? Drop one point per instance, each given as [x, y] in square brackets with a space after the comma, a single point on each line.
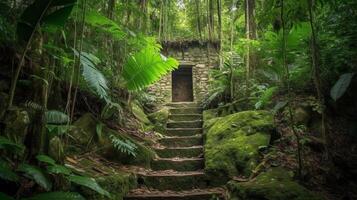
[341, 86]
[104, 24]
[11, 146]
[50, 12]
[56, 117]
[57, 196]
[37, 175]
[95, 79]
[146, 67]
[90, 183]
[4, 196]
[45, 159]
[6, 172]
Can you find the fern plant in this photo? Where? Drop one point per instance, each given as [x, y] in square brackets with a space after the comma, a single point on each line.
[124, 145]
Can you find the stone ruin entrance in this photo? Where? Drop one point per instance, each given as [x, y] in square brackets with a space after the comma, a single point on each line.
[190, 82]
[182, 85]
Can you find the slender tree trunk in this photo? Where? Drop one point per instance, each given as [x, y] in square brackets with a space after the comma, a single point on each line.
[251, 58]
[287, 81]
[197, 2]
[316, 74]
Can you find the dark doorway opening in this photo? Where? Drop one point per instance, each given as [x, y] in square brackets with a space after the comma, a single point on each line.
[182, 89]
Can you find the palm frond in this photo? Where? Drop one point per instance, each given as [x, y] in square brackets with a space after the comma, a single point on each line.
[146, 67]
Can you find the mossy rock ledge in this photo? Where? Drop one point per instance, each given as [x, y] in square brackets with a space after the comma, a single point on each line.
[275, 184]
[159, 119]
[232, 143]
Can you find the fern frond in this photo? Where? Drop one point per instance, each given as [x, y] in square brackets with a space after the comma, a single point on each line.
[124, 146]
[146, 67]
[56, 117]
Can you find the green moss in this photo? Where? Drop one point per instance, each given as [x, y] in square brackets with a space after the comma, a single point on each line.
[159, 119]
[209, 114]
[232, 142]
[139, 113]
[117, 183]
[16, 124]
[276, 184]
[84, 129]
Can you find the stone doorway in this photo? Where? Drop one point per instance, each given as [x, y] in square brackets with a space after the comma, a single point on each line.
[182, 84]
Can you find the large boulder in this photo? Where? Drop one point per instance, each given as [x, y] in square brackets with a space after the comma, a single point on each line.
[84, 129]
[232, 143]
[159, 119]
[275, 184]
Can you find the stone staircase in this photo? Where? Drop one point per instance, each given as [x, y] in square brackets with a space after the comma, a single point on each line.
[177, 173]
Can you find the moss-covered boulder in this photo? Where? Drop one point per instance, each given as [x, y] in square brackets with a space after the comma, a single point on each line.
[232, 143]
[139, 113]
[88, 132]
[143, 154]
[16, 124]
[84, 129]
[159, 119]
[275, 184]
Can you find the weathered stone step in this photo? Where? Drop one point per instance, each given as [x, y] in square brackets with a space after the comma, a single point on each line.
[185, 124]
[188, 110]
[182, 104]
[185, 117]
[183, 131]
[197, 194]
[186, 152]
[178, 164]
[176, 181]
[182, 141]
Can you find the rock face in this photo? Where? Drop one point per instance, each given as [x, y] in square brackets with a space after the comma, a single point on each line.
[233, 142]
[275, 184]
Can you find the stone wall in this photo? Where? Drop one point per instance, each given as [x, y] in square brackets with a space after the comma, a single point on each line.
[200, 57]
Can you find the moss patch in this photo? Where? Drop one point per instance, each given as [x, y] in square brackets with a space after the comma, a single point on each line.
[276, 184]
[233, 141]
[209, 114]
[139, 113]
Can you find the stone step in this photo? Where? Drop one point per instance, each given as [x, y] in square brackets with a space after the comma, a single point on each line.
[185, 124]
[186, 152]
[182, 104]
[185, 117]
[176, 181]
[182, 141]
[178, 164]
[196, 194]
[183, 131]
[189, 110]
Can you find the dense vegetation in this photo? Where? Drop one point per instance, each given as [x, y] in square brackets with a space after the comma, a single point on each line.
[74, 77]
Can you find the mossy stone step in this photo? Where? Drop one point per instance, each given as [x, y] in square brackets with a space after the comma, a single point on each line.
[175, 181]
[178, 164]
[184, 195]
[183, 131]
[183, 104]
[185, 124]
[188, 110]
[186, 152]
[182, 141]
[185, 117]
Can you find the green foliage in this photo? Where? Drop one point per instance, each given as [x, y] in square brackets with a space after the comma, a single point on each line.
[10, 146]
[47, 12]
[37, 175]
[146, 67]
[266, 97]
[5, 197]
[6, 173]
[124, 146]
[341, 86]
[93, 77]
[104, 24]
[56, 117]
[57, 196]
[90, 183]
